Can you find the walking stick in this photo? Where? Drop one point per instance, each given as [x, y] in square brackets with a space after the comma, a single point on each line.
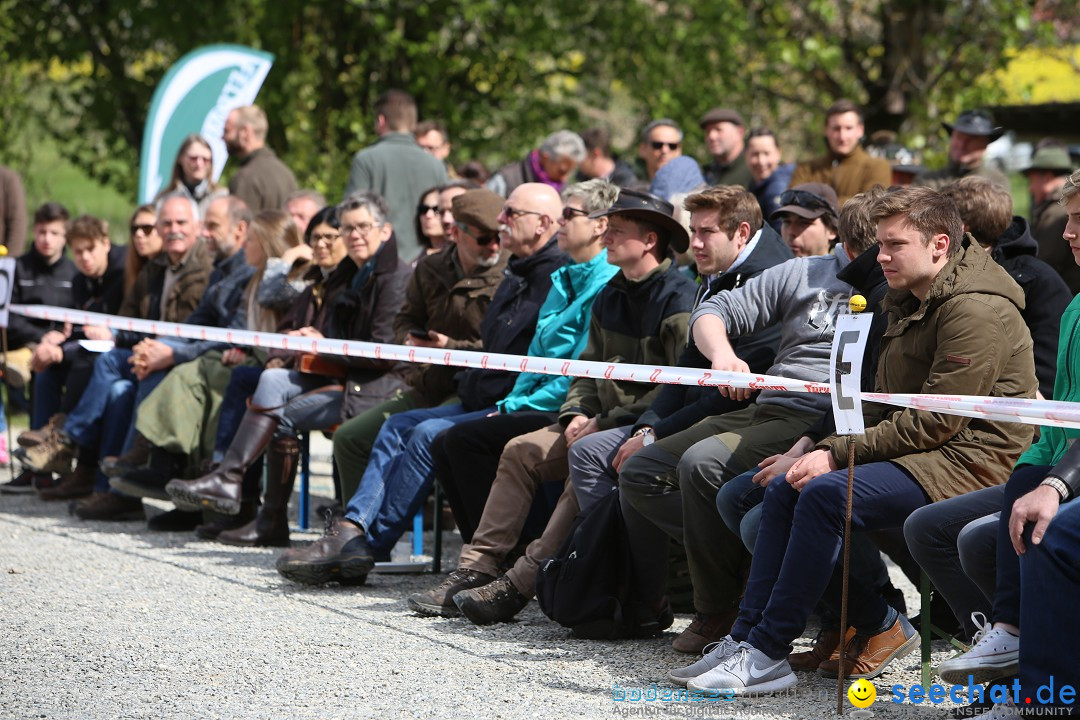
[3, 363]
[844, 585]
[852, 424]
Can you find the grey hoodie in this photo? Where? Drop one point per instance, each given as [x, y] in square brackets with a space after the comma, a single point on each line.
[804, 296]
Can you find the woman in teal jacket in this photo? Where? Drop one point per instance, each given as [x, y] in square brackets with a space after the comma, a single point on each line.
[467, 455]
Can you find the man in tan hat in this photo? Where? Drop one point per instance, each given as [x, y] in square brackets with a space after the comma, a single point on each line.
[1046, 175]
[846, 167]
[725, 131]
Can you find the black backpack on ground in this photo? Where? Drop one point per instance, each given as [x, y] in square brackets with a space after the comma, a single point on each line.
[587, 585]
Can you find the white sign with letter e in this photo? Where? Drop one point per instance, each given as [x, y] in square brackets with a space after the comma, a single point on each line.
[849, 342]
[7, 284]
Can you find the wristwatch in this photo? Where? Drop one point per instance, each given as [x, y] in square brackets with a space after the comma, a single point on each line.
[648, 437]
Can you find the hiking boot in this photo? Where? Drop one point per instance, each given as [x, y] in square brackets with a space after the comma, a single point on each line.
[219, 523]
[31, 438]
[21, 484]
[110, 506]
[134, 459]
[994, 654]
[439, 601]
[76, 484]
[341, 554]
[174, 521]
[867, 657]
[53, 455]
[826, 645]
[704, 630]
[747, 671]
[715, 653]
[498, 601]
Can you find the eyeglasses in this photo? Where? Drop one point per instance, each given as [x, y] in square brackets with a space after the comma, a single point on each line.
[362, 228]
[425, 209]
[197, 158]
[569, 213]
[660, 145]
[484, 240]
[327, 238]
[144, 229]
[805, 199]
[512, 213]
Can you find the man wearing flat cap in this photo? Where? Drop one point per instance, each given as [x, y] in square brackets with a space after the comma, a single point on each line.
[847, 168]
[973, 131]
[1050, 167]
[724, 131]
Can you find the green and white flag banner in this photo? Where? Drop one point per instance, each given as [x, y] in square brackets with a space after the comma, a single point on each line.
[196, 96]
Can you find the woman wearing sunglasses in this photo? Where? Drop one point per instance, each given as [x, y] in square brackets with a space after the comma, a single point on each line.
[193, 173]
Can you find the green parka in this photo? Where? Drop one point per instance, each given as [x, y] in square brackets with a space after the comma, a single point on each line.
[966, 338]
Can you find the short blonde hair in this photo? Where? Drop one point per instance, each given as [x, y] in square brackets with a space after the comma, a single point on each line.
[1071, 187]
[253, 117]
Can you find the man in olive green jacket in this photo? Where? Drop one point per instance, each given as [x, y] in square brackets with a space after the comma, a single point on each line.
[954, 328]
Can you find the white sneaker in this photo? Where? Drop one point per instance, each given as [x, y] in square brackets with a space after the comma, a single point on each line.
[714, 654]
[747, 671]
[993, 654]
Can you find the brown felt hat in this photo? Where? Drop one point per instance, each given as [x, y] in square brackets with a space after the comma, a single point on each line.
[720, 114]
[479, 208]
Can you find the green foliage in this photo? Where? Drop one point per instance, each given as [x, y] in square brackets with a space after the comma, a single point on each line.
[500, 75]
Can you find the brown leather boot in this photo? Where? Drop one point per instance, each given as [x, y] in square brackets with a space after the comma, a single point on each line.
[270, 528]
[704, 630]
[220, 490]
[78, 483]
[867, 657]
[826, 645]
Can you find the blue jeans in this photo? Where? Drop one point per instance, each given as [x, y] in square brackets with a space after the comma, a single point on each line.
[84, 422]
[400, 472]
[1050, 583]
[1007, 587]
[242, 384]
[119, 411]
[798, 546]
[739, 503]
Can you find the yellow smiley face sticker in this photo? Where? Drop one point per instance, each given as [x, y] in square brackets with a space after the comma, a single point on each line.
[862, 693]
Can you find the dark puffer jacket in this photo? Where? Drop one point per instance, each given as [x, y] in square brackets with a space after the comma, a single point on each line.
[1046, 296]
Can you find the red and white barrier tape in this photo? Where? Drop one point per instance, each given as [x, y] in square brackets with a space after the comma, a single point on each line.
[1031, 412]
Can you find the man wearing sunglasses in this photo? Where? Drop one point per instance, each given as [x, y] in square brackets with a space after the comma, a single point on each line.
[846, 167]
[661, 140]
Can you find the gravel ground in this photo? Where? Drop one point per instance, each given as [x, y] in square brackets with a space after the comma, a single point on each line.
[109, 620]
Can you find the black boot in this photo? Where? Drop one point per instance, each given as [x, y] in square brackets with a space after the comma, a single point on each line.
[150, 481]
[221, 489]
[135, 458]
[218, 523]
[271, 526]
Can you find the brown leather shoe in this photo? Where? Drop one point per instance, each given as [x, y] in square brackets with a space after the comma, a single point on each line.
[218, 523]
[78, 483]
[705, 629]
[109, 506]
[826, 645]
[867, 657]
